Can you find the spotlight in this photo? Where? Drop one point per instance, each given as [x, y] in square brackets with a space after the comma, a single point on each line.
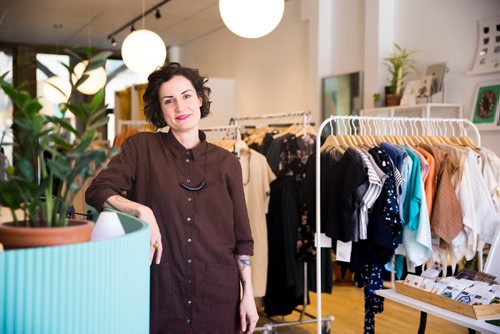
[158, 13]
[113, 41]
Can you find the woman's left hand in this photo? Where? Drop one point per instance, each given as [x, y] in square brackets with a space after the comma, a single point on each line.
[248, 314]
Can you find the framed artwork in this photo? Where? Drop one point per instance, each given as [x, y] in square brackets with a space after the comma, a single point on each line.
[342, 94]
[488, 46]
[436, 89]
[486, 105]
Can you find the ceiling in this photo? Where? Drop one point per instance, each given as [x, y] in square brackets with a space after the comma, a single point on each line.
[85, 23]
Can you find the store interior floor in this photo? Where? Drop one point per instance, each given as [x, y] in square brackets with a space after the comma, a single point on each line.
[346, 304]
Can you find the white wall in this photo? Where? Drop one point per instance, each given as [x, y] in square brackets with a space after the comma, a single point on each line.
[282, 71]
[446, 31]
[270, 72]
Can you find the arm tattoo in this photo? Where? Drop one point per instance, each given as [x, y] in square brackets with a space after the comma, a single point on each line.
[121, 199]
[244, 261]
[111, 205]
[243, 283]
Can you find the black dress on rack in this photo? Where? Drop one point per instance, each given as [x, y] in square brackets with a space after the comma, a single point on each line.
[285, 284]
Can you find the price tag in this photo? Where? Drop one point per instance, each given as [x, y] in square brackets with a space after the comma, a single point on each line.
[343, 251]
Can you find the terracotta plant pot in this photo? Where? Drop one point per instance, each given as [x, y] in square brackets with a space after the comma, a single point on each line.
[14, 237]
[393, 99]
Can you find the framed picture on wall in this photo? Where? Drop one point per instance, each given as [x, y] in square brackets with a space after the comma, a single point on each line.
[485, 112]
[342, 94]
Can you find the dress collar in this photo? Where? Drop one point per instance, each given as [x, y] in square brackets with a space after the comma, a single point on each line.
[180, 151]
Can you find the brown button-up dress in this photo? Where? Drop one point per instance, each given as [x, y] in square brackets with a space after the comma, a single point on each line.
[195, 288]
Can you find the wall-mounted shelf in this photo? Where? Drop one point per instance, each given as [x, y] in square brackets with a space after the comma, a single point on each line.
[426, 110]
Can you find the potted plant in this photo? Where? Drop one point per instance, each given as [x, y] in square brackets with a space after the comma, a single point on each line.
[377, 100]
[399, 64]
[49, 170]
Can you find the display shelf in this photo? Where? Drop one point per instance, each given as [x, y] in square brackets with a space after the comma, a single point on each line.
[426, 110]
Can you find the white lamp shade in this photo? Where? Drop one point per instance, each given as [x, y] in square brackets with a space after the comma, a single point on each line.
[251, 18]
[108, 225]
[143, 51]
[95, 81]
[51, 93]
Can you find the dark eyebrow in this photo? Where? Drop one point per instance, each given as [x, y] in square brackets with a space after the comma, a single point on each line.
[170, 96]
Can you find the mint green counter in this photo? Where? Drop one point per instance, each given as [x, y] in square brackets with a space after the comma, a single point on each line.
[89, 288]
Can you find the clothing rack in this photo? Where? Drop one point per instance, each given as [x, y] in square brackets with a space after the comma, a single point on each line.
[366, 125]
[228, 128]
[306, 115]
[268, 328]
[136, 123]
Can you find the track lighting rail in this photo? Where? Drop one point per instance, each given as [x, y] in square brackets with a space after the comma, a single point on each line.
[137, 18]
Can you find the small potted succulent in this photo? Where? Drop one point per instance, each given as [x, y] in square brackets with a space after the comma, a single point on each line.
[49, 170]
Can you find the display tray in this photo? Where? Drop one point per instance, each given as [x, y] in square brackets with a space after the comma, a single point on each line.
[481, 312]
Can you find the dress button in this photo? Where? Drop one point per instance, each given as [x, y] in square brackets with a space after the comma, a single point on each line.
[188, 321]
[188, 219]
[188, 180]
[189, 301]
[190, 281]
[190, 261]
[187, 160]
[189, 240]
[189, 199]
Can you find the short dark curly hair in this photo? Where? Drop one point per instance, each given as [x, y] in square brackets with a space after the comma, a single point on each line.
[152, 108]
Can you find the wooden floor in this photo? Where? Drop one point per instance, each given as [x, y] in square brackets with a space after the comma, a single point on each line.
[346, 304]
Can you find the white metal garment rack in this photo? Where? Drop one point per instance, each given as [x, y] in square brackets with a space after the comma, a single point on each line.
[306, 115]
[233, 129]
[270, 327]
[366, 125]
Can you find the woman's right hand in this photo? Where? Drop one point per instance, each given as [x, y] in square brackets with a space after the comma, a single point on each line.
[144, 213]
[156, 245]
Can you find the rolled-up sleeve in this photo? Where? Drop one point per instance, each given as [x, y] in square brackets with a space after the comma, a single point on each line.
[242, 232]
[116, 178]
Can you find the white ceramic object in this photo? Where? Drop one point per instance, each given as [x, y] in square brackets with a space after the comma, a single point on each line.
[107, 226]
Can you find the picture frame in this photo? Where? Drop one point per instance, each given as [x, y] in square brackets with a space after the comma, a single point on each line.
[437, 72]
[488, 47]
[485, 107]
[342, 94]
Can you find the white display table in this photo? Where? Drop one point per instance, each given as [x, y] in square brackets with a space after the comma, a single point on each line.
[478, 325]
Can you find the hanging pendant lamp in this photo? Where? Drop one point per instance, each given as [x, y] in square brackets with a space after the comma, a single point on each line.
[143, 51]
[95, 81]
[251, 18]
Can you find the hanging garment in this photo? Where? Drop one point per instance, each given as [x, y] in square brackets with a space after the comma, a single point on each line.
[430, 180]
[285, 284]
[490, 168]
[344, 196]
[257, 176]
[446, 219]
[307, 248]
[416, 230]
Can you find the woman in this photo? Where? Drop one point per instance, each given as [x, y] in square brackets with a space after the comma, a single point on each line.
[191, 194]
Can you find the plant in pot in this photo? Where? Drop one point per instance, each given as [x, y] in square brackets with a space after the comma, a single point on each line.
[49, 170]
[399, 64]
[377, 100]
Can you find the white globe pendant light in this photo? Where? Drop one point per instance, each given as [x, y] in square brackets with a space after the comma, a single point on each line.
[53, 94]
[143, 51]
[95, 81]
[251, 18]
